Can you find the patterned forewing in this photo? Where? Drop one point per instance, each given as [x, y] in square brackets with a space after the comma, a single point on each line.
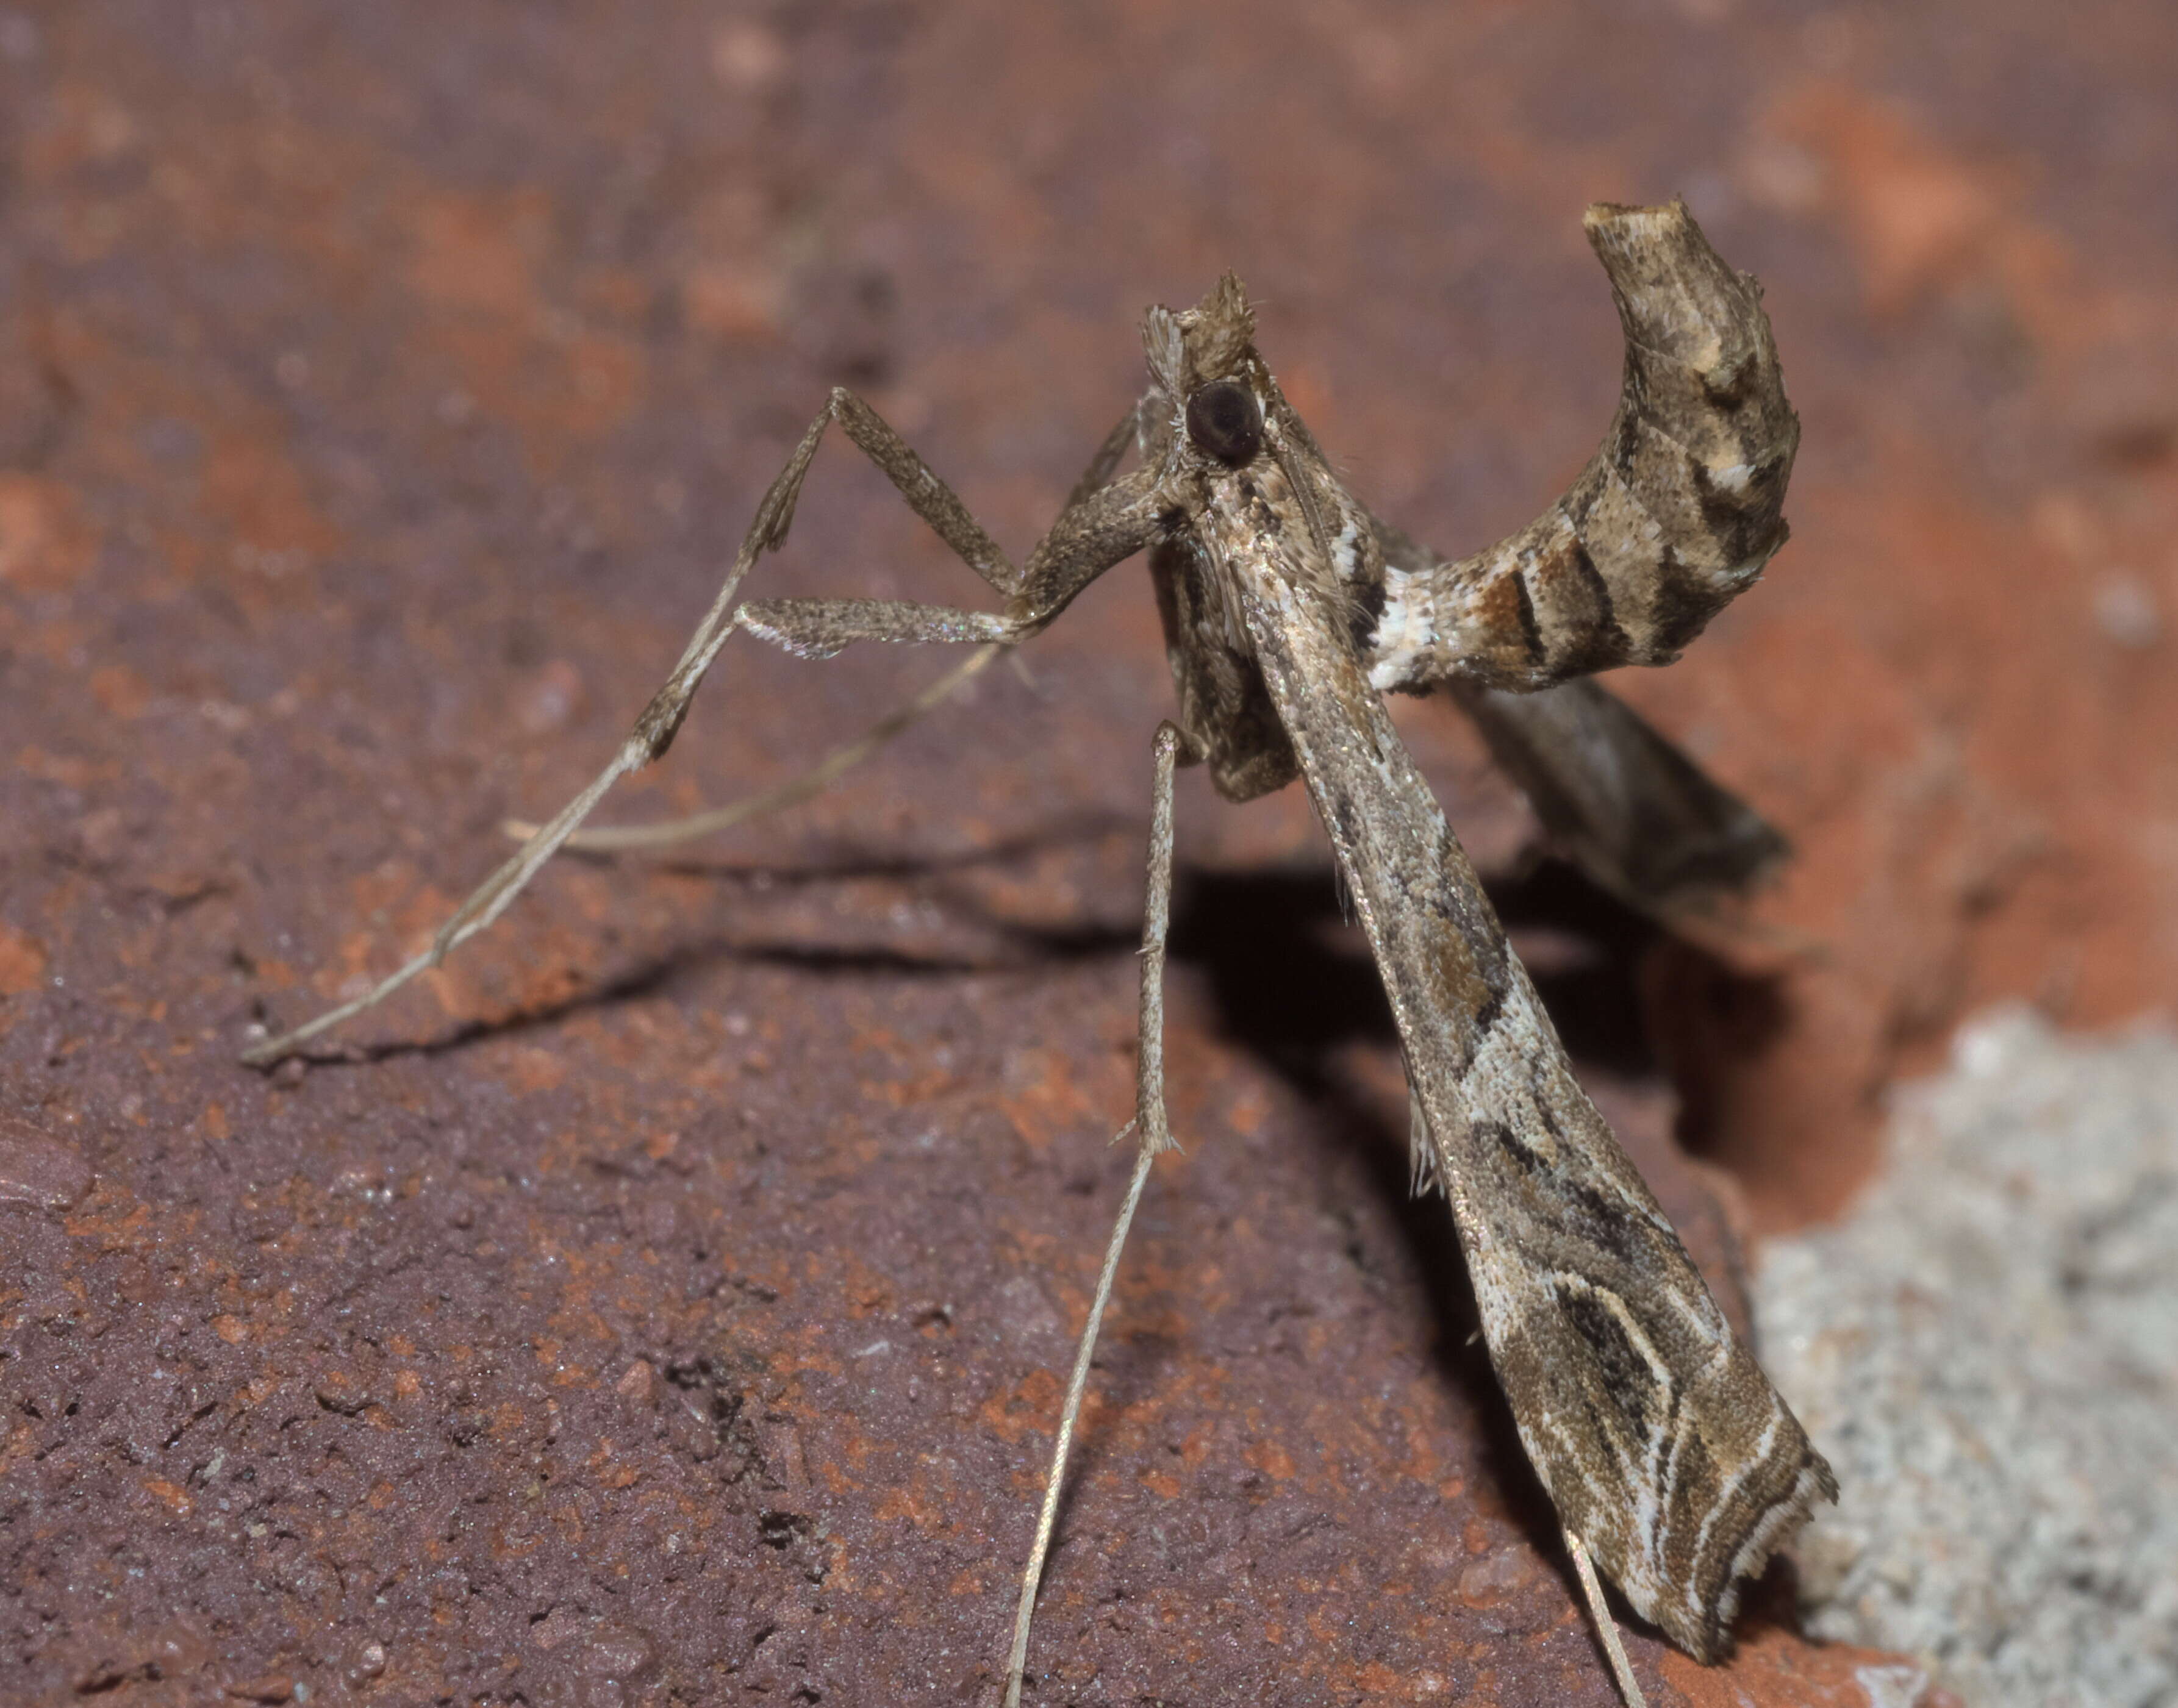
[1658, 1437]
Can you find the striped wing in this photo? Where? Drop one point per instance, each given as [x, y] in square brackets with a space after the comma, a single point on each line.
[1660, 1439]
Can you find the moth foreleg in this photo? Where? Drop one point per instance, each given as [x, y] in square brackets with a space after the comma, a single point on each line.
[1074, 552]
[1113, 522]
[927, 495]
[819, 628]
[1105, 462]
[930, 498]
[1152, 1134]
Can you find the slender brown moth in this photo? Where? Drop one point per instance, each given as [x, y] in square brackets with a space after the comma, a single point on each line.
[1288, 611]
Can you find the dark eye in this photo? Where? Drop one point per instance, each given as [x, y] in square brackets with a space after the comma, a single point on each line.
[1223, 420]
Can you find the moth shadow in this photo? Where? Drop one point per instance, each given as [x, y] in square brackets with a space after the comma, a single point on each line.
[1292, 981]
[843, 861]
[617, 982]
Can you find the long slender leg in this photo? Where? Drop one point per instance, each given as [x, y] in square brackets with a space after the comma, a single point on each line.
[621, 839]
[1152, 1135]
[653, 734]
[1085, 540]
[1606, 1628]
[1105, 462]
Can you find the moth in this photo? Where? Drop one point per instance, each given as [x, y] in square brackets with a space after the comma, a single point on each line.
[1290, 611]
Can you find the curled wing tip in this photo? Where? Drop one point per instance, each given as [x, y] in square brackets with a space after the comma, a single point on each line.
[1711, 1638]
[1653, 241]
[1674, 516]
[1677, 296]
[1600, 214]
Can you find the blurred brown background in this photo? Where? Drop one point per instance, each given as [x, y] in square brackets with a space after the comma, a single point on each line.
[670, 1314]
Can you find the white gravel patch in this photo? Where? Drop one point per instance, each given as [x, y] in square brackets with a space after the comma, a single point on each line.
[1987, 1349]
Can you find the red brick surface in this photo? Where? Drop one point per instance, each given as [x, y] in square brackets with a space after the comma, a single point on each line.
[670, 1314]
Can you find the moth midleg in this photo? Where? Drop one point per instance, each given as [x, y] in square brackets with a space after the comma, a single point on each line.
[930, 498]
[1152, 1134]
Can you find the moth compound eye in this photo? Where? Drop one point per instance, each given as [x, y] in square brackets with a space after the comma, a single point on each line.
[1223, 420]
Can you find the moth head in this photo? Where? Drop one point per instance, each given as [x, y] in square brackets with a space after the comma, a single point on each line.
[1203, 359]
